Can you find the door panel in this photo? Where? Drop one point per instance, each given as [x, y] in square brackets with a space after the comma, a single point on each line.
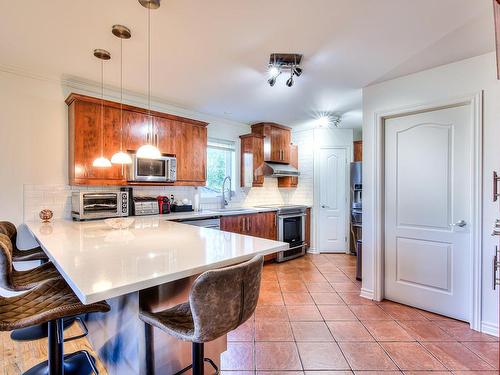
[427, 190]
[332, 202]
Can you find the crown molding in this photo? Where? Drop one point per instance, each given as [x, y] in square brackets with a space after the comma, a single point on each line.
[87, 87]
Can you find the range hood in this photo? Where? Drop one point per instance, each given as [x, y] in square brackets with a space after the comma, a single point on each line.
[280, 170]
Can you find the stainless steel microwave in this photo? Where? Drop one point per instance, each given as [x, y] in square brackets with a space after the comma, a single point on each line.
[152, 170]
[87, 205]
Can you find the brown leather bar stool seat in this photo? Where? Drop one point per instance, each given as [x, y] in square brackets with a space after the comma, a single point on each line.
[9, 229]
[219, 302]
[50, 301]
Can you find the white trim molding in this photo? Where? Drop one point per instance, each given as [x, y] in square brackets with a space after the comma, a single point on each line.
[366, 293]
[489, 328]
[377, 195]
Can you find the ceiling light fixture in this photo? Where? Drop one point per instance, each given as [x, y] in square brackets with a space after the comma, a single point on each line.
[121, 32]
[150, 149]
[327, 121]
[101, 161]
[282, 62]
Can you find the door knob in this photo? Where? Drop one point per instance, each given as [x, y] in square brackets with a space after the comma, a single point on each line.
[460, 223]
[323, 206]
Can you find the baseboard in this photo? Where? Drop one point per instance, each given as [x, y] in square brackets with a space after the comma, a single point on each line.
[365, 293]
[489, 328]
[312, 250]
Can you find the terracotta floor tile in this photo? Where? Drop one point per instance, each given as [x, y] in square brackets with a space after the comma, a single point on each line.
[270, 286]
[270, 298]
[244, 332]
[237, 372]
[494, 372]
[461, 331]
[387, 330]
[412, 356]
[273, 331]
[279, 356]
[425, 331]
[365, 312]
[270, 312]
[301, 313]
[289, 277]
[323, 287]
[321, 356]
[327, 299]
[311, 331]
[432, 316]
[298, 299]
[328, 373]
[346, 287]
[349, 331]
[337, 277]
[368, 356]
[427, 373]
[355, 299]
[238, 356]
[403, 312]
[378, 372]
[328, 268]
[456, 356]
[486, 350]
[280, 373]
[293, 286]
[315, 277]
[336, 312]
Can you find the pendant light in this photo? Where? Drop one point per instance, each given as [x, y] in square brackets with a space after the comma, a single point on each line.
[150, 149]
[101, 161]
[121, 157]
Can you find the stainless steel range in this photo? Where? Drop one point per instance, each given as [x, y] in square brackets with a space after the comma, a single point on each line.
[291, 229]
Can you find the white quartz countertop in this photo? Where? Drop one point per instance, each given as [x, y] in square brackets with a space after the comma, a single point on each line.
[101, 263]
[214, 213]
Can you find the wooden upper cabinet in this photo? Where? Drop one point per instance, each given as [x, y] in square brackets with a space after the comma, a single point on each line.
[358, 150]
[277, 140]
[179, 136]
[252, 160]
[290, 182]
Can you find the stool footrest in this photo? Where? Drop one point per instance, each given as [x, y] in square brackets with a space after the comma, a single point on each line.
[78, 363]
[212, 363]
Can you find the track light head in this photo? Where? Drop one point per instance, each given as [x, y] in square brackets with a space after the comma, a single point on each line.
[271, 81]
[289, 81]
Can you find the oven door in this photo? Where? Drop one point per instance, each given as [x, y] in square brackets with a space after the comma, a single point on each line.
[96, 205]
[291, 229]
[150, 169]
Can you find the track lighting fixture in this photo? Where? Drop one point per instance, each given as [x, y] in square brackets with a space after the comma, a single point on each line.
[281, 62]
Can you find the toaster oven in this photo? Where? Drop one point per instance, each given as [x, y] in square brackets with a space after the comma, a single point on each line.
[88, 205]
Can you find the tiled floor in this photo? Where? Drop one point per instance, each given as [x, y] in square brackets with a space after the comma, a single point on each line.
[310, 320]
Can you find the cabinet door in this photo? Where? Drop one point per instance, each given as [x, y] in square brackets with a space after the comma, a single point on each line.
[288, 182]
[276, 143]
[90, 141]
[263, 225]
[191, 152]
[166, 130]
[285, 140]
[231, 224]
[135, 129]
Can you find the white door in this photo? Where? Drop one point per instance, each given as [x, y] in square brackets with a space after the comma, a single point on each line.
[427, 210]
[332, 224]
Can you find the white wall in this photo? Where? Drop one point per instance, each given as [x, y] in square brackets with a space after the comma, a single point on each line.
[450, 81]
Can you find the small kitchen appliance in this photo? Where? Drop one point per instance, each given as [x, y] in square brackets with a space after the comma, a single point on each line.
[163, 169]
[88, 205]
[146, 206]
[163, 204]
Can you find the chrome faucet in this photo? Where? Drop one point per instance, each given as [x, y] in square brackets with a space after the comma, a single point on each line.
[224, 202]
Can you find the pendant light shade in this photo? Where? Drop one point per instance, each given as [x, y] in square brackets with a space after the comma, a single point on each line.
[150, 149]
[101, 161]
[121, 32]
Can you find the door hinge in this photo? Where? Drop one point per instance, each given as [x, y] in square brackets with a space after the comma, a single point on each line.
[496, 267]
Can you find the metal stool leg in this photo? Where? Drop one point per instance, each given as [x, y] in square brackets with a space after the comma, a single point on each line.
[198, 350]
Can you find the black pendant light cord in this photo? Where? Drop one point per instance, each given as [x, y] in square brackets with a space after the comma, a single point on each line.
[121, 94]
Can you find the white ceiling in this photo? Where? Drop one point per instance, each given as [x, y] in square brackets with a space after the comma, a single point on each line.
[211, 56]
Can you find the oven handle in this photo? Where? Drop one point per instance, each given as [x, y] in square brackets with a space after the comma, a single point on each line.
[291, 215]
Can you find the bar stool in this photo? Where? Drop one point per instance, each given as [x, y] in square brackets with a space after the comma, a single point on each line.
[14, 280]
[219, 302]
[50, 301]
[9, 229]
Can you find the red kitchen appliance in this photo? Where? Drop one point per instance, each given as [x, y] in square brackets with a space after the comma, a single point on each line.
[163, 204]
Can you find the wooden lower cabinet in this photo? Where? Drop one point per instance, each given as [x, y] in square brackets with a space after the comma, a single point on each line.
[261, 225]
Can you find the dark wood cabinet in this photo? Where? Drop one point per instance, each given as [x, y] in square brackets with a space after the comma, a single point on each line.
[179, 136]
[358, 150]
[291, 182]
[262, 224]
[252, 160]
[277, 140]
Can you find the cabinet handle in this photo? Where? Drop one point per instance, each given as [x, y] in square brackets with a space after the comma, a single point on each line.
[496, 265]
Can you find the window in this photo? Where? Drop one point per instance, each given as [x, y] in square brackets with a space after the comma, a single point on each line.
[221, 162]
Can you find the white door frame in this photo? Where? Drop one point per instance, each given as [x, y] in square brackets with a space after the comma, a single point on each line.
[316, 194]
[377, 195]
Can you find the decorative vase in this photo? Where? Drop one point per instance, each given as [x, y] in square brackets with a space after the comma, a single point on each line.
[46, 215]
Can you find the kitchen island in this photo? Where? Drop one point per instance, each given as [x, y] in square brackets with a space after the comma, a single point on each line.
[151, 265]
